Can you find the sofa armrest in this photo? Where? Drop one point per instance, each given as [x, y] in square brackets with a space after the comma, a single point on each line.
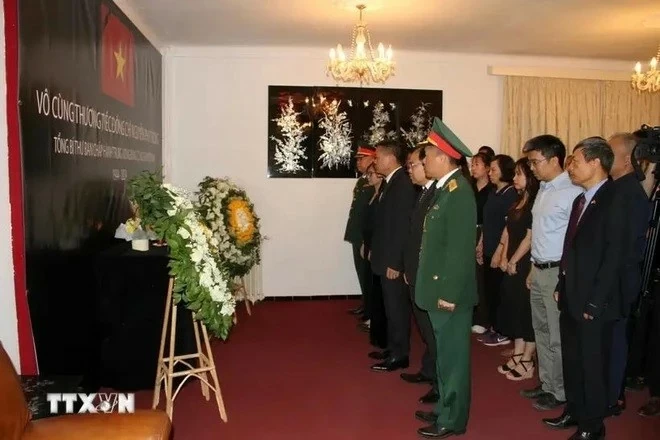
[142, 425]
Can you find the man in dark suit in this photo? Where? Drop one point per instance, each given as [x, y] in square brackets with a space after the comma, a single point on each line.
[391, 228]
[630, 190]
[362, 193]
[588, 292]
[427, 373]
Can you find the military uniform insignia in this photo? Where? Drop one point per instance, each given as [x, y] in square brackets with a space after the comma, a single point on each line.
[452, 185]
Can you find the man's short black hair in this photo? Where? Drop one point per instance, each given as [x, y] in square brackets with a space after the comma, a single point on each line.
[596, 147]
[549, 146]
[421, 150]
[396, 149]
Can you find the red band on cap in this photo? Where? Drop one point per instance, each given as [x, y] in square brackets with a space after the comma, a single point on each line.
[365, 151]
[443, 145]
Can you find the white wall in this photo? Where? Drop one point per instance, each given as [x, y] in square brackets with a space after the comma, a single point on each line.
[216, 121]
[8, 323]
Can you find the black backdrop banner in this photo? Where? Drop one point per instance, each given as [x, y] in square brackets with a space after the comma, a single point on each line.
[90, 115]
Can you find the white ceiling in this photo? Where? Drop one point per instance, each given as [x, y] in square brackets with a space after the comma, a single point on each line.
[615, 29]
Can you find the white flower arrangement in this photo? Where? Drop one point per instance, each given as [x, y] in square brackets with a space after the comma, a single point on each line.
[378, 133]
[335, 142]
[230, 216]
[200, 279]
[289, 151]
[202, 246]
[421, 122]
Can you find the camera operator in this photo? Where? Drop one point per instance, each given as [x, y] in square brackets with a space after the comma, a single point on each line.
[644, 326]
[626, 183]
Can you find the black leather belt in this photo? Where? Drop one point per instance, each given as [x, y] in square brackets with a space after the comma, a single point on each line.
[549, 265]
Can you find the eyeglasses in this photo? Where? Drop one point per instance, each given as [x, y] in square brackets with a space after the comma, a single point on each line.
[410, 166]
[535, 162]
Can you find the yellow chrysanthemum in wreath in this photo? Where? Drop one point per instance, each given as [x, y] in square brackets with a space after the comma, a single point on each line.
[227, 211]
[241, 221]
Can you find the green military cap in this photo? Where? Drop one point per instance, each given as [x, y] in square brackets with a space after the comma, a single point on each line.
[446, 141]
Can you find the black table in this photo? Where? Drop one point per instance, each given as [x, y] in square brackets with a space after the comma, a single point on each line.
[130, 304]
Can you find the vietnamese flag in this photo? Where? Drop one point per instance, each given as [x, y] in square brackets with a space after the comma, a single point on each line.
[117, 58]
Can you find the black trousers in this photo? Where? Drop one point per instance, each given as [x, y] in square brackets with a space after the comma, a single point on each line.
[492, 282]
[585, 348]
[430, 348]
[397, 309]
[481, 313]
[619, 352]
[363, 271]
[378, 326]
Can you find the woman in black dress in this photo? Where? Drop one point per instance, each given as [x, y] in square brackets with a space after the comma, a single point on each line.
[515, 313]
[500, 199]
[378, 322]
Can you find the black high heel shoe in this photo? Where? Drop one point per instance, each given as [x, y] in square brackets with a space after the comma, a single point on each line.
[504, 368]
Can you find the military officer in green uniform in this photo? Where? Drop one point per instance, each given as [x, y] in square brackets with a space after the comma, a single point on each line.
[362, 193]
[446, 284]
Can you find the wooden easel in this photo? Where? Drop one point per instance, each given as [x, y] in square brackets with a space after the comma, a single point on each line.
[238, 288]
[165, 371]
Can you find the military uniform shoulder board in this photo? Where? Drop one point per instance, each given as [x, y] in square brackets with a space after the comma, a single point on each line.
[452, 185]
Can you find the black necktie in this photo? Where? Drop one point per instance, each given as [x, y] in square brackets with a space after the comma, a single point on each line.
[383, 185]
[572, 226]
[421, 194]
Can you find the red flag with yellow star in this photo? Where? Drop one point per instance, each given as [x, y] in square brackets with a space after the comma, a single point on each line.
[117, 58]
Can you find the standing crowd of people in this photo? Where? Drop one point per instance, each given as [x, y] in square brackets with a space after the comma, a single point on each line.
[542, 254]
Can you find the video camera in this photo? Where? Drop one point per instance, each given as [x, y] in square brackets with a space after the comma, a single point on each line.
[648, 150]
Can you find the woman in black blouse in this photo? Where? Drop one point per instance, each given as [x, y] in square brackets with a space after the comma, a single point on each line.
[479, 168]
[500, 199]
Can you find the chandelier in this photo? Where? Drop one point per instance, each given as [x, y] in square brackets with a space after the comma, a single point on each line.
[648, 81]
[362, 65]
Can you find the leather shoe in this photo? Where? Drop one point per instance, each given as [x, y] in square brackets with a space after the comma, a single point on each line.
[617, 409]
[356, 311]
[651, 409]
[415, 378]
[635, 384]
[435, 431]
[391, 364]
[564, 421]
[534, 393]
[546, 403]
[587, 435]
[379, 355]
[431, 397]
[426, 416]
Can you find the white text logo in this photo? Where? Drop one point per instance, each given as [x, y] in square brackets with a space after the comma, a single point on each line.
[92, 403]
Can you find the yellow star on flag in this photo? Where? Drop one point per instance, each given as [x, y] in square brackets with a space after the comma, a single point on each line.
[121, 62]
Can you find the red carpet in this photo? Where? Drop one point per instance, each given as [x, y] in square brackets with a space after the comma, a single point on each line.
[299, 370]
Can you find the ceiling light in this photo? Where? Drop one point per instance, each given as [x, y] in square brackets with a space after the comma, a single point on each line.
[648, 81]
[362, 65]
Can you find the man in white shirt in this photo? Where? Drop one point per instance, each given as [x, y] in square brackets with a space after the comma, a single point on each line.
[551, 213]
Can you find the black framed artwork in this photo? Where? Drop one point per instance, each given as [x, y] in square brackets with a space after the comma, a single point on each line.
[315, 131]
